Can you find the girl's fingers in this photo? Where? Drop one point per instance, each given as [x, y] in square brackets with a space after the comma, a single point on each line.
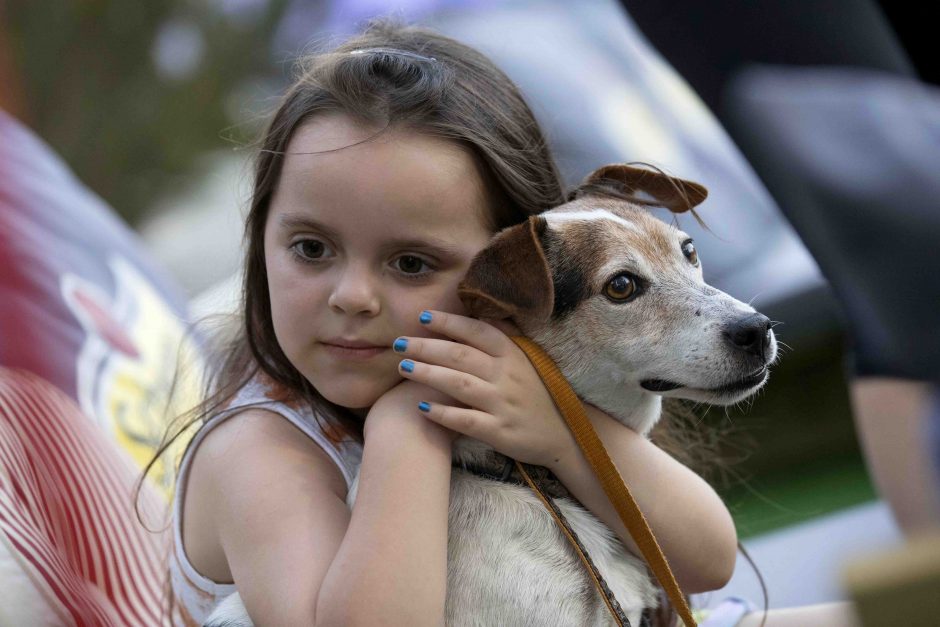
[467, 421]
[470, 331]
[462, 387]
[445, 353]
[506, 326]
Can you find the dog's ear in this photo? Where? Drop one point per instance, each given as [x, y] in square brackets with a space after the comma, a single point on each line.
[510, 278]
[675, 194]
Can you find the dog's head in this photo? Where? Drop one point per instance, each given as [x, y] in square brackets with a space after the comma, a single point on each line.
[616, 297]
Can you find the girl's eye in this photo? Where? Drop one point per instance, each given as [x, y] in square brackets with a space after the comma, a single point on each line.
[309, 249]
[409, 264]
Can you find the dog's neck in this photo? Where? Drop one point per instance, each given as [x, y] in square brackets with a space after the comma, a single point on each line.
[631, 405]
[640, 417]
[599, 380]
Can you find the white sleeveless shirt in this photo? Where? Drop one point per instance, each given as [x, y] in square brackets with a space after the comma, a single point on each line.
[196, 595]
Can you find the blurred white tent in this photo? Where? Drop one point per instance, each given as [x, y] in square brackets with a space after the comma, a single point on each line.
[197, 233]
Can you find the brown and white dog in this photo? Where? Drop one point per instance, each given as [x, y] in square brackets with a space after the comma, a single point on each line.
[616, 297]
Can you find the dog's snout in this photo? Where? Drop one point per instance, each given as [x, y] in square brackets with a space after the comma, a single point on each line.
[750, 334]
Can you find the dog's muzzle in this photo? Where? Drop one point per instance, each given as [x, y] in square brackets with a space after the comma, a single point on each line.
[749, 338]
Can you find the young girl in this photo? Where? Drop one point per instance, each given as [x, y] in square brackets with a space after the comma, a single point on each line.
[389, 164]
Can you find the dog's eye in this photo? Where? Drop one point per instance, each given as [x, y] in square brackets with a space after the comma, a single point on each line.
[621, 287]
[689, 251]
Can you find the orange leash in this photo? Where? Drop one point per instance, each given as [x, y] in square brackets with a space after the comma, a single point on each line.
[615, 488]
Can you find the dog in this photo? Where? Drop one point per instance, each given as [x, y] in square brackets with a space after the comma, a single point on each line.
[616, 297]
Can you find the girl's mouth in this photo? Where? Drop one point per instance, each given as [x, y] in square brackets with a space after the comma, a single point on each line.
[353, 352]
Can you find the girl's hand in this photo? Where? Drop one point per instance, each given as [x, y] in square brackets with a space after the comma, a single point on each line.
[508, 406]
[400, 405]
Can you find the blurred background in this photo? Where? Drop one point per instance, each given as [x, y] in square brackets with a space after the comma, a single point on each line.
[155, 105]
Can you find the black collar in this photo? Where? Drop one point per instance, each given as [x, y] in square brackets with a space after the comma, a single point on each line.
[499, 467]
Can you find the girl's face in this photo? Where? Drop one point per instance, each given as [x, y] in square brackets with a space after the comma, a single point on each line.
[359, 241]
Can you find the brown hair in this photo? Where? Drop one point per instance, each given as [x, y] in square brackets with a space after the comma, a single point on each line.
[388, 76]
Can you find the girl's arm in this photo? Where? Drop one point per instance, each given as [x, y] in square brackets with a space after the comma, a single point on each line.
[296, 553]
[391, 568]
[690, 521]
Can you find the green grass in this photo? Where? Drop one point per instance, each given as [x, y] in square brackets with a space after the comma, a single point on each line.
[772, 501]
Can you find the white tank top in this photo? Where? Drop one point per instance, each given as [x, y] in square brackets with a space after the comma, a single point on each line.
[196, 595]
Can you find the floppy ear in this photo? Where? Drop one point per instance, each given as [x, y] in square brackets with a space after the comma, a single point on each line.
[677, 195]
[511, 278]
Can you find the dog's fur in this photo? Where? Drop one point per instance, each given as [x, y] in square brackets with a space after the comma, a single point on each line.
[508, 564]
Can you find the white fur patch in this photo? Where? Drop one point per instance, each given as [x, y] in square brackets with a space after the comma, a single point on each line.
[580, 216]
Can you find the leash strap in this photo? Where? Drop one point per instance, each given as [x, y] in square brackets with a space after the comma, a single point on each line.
[613, 484]
[613, 606]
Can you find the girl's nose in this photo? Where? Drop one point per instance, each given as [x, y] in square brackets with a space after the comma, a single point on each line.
[354, 293]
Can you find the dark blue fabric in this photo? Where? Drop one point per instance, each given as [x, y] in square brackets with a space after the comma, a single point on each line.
[852, 158]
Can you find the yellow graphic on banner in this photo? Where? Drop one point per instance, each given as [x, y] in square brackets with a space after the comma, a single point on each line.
[138, 369]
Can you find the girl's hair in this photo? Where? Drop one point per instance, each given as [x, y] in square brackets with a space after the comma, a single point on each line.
[389, 76]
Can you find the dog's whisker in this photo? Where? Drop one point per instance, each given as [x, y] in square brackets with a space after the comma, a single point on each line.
[708, 408]
[750, 302]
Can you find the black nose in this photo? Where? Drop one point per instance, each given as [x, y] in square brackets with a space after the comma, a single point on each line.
[750, 334]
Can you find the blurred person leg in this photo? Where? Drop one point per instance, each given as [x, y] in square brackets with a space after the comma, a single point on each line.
[898, 423]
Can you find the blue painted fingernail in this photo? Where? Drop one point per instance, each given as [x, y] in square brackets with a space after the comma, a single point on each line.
[425, 317]
[400, 345]
[424, 406]
[407, 365]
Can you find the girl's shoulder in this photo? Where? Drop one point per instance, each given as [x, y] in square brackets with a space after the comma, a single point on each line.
[248, 466]
[261, 388]
[261, 392]
[257, 436]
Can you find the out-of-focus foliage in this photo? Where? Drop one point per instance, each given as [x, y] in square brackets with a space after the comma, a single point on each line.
[130, 93]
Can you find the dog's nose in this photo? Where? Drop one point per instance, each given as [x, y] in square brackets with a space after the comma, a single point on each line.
[750, 334]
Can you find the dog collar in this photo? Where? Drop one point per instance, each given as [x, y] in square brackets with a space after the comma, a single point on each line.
[498, 467]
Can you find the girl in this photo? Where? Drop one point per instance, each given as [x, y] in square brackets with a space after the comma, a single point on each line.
[389, 164]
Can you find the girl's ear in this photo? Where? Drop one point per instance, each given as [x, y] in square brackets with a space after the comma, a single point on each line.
[675, 194]
[511, 278]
